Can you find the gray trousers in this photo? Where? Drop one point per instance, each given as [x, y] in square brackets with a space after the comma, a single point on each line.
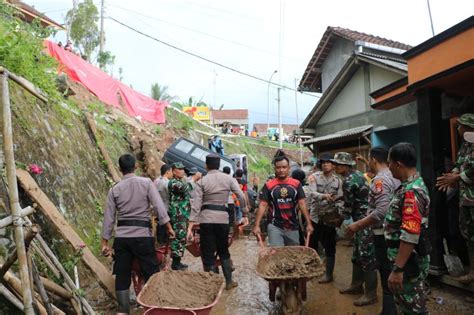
[280, 237]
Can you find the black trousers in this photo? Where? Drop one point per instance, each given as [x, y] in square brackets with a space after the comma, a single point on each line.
[125, 249]
[214, 238]
[383, 263]
[326, 235]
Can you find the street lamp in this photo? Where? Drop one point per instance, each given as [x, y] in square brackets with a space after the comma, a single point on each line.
[268, 100]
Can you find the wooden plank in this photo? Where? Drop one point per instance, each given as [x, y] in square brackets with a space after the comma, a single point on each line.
[103, 274]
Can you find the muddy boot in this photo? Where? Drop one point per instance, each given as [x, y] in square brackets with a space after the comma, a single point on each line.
[356, 283]
[467, 279]
[370, 295]
[388, 306]
[177, 265]
[123, 302]
[330, 261]
[227, 271]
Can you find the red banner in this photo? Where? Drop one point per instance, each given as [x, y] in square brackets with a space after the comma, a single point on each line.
[106, 88]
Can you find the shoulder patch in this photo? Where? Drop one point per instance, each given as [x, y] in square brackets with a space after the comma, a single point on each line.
[378, 185]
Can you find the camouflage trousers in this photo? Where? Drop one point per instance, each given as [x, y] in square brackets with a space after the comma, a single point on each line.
[412, 300]
[363, 252]
[180, 227]
[466, 222]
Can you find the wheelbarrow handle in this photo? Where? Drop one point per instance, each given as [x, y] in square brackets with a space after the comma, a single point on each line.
[260, 241]
[307, 239]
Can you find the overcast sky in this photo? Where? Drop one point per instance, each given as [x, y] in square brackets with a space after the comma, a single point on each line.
[245, 35]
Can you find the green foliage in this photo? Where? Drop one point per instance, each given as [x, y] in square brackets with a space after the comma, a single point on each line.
[21, 51]
[73, 260]
[160, 93]
[83, 27]
[185, 123]
[105, 59]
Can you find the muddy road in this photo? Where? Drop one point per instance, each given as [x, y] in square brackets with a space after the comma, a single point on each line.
[251, 296]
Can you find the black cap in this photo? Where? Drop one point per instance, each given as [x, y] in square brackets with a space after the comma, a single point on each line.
[325, 157]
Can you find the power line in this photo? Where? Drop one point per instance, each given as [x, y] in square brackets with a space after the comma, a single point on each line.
[202, 33]
[206, 59]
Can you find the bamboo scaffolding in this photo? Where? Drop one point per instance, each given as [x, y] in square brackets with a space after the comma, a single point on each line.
[37, 250]
[13, 190]
[9, 220]
[7, 294]
[41, 289]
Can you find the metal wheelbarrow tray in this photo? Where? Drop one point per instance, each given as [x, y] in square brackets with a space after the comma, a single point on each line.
[170, 310]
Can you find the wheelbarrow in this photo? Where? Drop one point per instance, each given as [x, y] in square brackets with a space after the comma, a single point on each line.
[162, 253]
[194, 247]
[292, 287]
[155, 310]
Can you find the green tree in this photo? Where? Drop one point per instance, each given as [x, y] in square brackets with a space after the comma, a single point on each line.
[105, 59]
[160, 93]
[83, 27]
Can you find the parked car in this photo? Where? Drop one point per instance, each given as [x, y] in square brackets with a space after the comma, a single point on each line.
[192, 154]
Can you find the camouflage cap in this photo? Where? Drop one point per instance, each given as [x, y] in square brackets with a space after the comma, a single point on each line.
[178, 165]
[343, 158]
[467, 120]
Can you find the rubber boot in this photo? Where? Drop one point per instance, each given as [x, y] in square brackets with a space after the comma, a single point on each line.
[388, 306]
[227, 271]
[123, 302]
[210, 269]
[330, 261]
[356, 283]
[370, 295]
[177, 265]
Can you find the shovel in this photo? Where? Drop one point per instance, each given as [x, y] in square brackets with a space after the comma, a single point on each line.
[453, 263]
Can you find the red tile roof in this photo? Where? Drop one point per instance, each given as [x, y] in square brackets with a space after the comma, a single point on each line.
[30, 13]
[311, 80]
[230, 114]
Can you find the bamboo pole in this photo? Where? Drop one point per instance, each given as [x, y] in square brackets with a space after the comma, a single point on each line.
[24, 84]
[9, 220]
[67, 278]
[45, 259]
[7, 294]
[16, 284]
[41, 289]
[13, 256]
[14, 201]
[56, 289]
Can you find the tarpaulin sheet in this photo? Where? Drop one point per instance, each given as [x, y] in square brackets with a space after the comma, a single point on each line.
[106, 88]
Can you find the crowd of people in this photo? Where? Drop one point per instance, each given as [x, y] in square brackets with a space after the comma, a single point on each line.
[388, 210]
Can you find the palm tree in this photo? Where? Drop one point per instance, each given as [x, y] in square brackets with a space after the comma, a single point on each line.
[160, 93]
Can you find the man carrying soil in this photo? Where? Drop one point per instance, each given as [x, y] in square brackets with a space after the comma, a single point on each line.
[406, 226]
[129, 202]
[381, 192]
[356, 191]
[284, 194]
[179, 210]
[210, 211]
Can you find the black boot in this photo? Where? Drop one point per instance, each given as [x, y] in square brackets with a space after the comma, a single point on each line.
[177, 265]
[388, 306]
[211, 269]
[227, 271]
[356, 283]
[123, 301]
[330, 261]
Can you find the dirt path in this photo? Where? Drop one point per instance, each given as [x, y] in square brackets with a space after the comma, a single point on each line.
[251, 297]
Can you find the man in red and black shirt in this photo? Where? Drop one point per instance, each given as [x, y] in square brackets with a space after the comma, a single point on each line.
[284, 194]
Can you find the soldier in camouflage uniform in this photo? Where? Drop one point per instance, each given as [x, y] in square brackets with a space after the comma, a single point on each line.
[356, 192]
[179, 210]
[463, 174]
[405, 229]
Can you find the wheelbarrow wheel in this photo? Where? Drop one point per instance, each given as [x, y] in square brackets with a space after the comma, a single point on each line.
[291, 302]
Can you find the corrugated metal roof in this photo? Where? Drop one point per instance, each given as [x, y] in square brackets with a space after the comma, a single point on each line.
[341, 135]
[401, 65]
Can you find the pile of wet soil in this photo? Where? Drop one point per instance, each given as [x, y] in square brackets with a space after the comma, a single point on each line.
[181, 289]
[290, 262]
